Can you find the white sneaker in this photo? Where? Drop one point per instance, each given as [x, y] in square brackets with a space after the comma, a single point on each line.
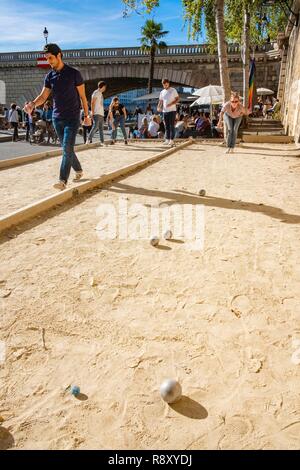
[171, 143]
[166, 142]
[87, 143]
[228, 150]
[101, 144]
[60, 185]
[78, 175]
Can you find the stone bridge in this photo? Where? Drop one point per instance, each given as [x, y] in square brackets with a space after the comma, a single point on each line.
[127, 68]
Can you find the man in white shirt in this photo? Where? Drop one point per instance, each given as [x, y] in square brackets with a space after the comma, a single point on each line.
[97, 113]
[168, 99]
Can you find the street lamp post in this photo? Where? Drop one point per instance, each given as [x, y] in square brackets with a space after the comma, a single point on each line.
[45, 32]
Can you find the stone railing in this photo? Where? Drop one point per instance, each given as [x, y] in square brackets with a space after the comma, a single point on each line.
[124, 52]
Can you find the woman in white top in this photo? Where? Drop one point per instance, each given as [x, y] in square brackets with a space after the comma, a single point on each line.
[13, 119]
[233, 112]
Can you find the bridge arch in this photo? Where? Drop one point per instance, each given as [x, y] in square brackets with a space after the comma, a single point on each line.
[125, 77]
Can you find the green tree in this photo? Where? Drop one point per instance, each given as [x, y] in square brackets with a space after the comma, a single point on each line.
[210, 13]
[151, 33]
[246, 22]
[194, 12]
[265, 20]
[260, 24]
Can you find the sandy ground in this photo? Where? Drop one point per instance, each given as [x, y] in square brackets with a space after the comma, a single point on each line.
[118, 317]
[25, 184]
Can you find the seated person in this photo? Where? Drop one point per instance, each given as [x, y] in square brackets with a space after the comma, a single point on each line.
[162, 129]
[203, 127]
[153, 127]
[217, 132]
[133, 131]
[143, 130]
[180, 127]
[276, 107]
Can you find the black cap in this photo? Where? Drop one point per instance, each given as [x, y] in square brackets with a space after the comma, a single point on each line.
[52, 49]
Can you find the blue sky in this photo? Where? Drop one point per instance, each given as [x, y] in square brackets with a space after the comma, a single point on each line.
[81, 24]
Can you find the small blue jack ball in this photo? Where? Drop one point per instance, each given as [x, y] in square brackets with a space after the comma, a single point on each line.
[75, 390]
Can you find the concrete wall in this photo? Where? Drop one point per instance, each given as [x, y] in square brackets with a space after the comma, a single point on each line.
[290, 72]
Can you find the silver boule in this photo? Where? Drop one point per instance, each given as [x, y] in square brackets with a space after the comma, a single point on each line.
[170, 391]
[168, 235]
[154, 241]
[202, 192]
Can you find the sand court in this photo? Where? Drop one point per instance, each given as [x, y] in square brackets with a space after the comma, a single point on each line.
[117, 317]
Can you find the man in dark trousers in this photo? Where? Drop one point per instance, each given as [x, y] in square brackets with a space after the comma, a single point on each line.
[67, 87]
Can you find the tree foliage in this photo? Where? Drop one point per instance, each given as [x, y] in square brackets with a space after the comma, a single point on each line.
[265, 23]
[151, 33]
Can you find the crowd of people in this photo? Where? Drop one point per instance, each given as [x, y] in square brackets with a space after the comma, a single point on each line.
[38, 125]
[267, 107]
[62, 108]
[148, 124]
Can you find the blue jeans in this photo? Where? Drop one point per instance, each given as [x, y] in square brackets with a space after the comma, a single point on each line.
[66, 130]
[98, 124]
[118, 122]
[169, 119]
[233, 125]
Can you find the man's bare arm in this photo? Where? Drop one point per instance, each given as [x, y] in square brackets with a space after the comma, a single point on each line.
[81, 91]
[93, 105]
[39, 100]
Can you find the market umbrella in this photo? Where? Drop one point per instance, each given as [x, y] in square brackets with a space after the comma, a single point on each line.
[209, 91]
[155, 96]
[264, 91]
[150, 96]
[208, 100]
[211, 94]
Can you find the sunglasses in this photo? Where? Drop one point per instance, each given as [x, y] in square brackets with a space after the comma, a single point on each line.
[234, 101]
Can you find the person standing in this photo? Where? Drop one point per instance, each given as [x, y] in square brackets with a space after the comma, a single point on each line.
[27, 126]
[233, 112]
[168, 99]
[98, 113]
[67, 87]
[13, 119]
[116, 116]
[85, 129]
[149, 112]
